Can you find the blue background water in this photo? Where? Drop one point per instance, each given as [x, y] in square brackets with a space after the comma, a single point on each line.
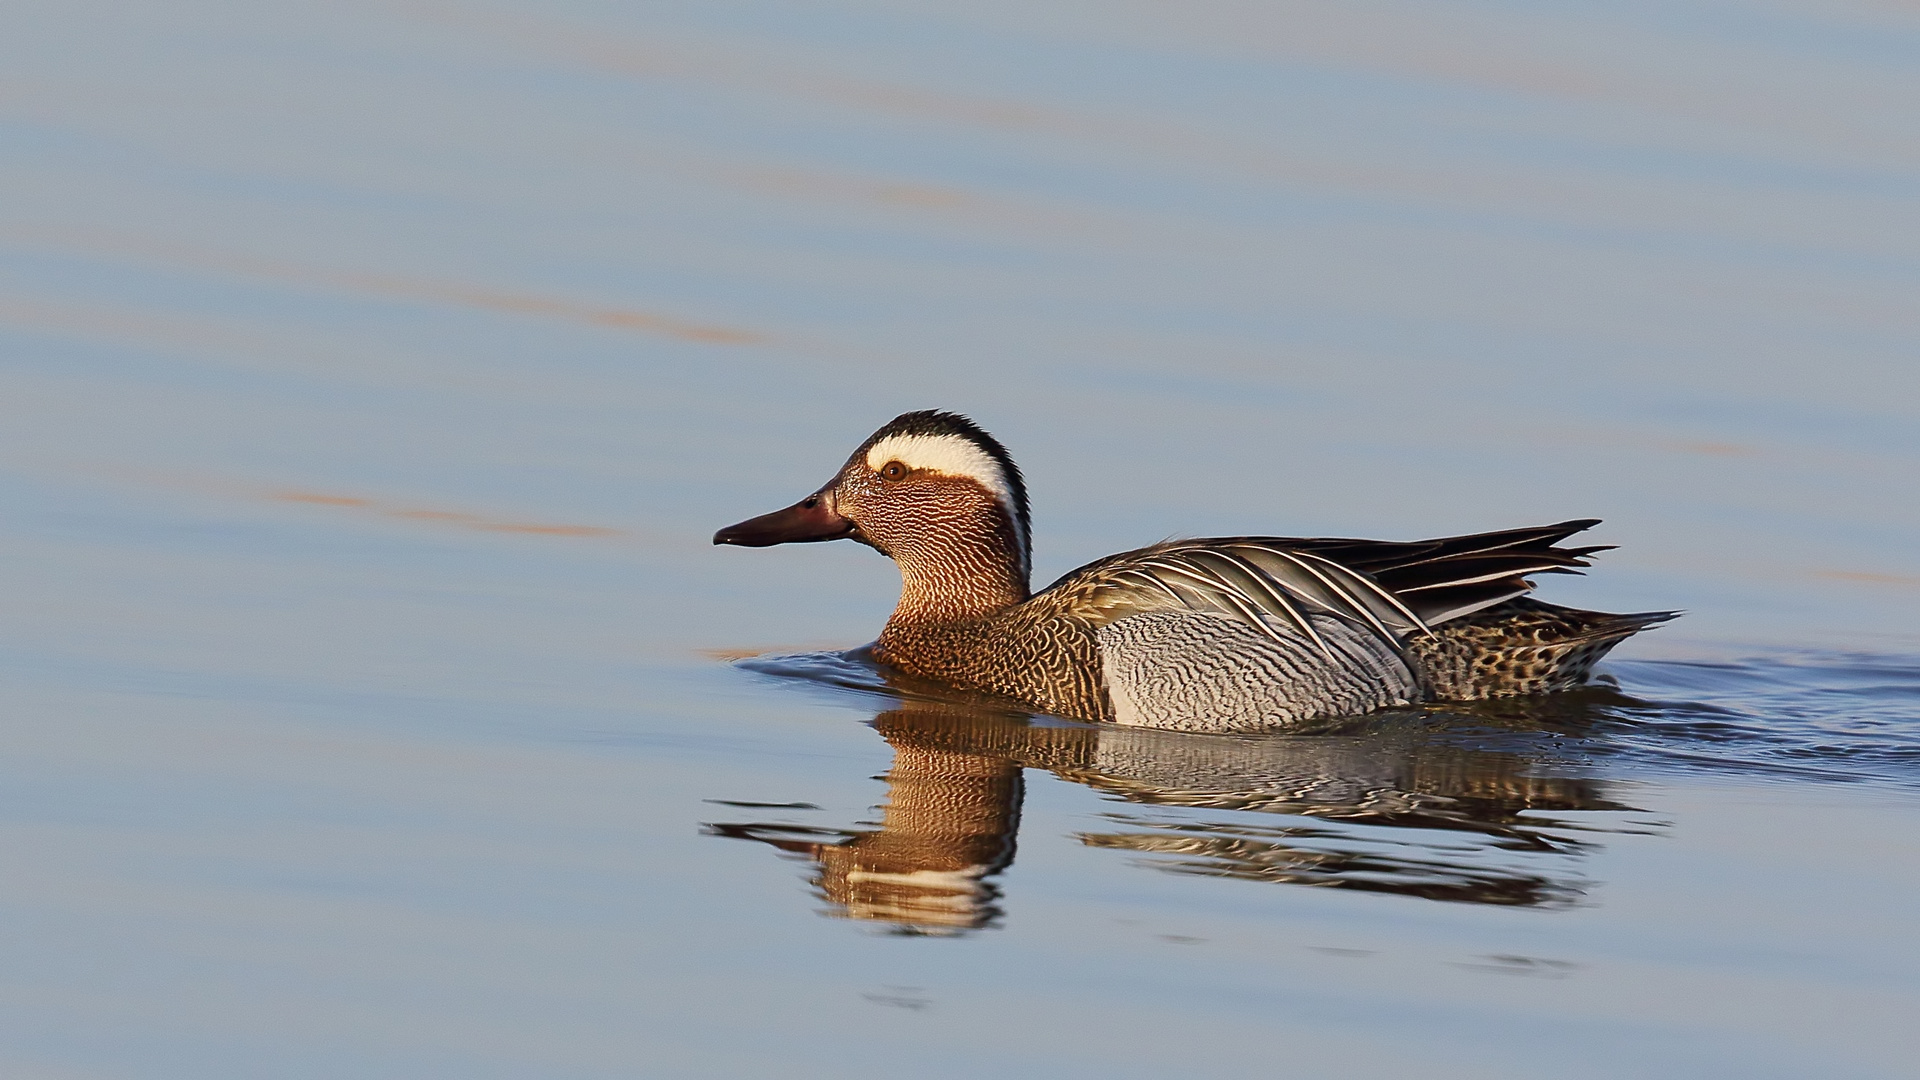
[373, 375]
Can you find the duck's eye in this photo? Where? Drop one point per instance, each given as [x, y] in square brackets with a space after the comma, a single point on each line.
[893, 470]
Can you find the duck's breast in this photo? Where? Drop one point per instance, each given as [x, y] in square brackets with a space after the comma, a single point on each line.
[1195, 671]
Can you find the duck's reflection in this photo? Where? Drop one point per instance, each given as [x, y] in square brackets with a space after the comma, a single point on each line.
[946, 828]
[1410, 805]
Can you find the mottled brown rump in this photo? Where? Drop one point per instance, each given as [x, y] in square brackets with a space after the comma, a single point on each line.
[1520, 647]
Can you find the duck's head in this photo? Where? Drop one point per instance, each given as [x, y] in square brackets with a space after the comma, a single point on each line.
[931, 491]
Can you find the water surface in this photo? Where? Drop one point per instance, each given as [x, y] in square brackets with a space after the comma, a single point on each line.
[373, 375]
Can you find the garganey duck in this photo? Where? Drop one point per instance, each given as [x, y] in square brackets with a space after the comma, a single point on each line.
[1241, 633]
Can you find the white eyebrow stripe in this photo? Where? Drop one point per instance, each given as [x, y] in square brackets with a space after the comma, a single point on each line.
[951, 455]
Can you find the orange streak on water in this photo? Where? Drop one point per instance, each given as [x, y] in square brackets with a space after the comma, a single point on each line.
[441, 517]
[318, 499]
[1866, 578]
[1714, 449]
[728, 656]
[393, 287]
[519, 304]
[545, 530]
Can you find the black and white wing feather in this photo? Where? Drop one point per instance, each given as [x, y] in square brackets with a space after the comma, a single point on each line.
[1274, 584]
[1271, 588]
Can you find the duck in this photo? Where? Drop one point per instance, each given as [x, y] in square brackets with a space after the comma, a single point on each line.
[1228, 634]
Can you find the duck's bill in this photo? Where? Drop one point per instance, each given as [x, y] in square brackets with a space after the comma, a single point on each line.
[805, 522]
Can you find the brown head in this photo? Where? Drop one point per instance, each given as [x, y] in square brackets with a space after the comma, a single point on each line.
[935, 494]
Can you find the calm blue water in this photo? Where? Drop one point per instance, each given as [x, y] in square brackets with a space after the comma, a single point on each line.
[372, 377]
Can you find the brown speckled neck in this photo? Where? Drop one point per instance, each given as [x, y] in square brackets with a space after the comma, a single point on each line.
[959, 565]
[965, 615]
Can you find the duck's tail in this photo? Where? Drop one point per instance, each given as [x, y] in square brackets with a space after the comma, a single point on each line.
[1519, 647]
